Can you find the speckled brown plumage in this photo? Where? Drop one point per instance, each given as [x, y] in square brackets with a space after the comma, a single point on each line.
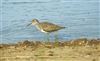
[49, 27]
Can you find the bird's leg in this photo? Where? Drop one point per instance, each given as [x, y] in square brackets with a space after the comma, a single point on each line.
[56, 39]
[48, 37]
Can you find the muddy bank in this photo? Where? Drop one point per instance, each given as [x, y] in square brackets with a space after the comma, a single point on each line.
[73, 50]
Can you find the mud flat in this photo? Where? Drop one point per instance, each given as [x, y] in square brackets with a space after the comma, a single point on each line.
[73, 50]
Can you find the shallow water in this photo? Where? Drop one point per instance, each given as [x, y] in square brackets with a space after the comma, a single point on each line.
[81, 19]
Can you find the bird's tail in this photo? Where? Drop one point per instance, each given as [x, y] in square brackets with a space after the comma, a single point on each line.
[63, 27]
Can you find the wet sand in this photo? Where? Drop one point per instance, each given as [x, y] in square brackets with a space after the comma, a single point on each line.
[73, 50]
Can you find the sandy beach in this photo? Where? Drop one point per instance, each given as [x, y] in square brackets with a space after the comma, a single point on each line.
[73, 50]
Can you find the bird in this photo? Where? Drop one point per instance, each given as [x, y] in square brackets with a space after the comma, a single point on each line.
[45, 27]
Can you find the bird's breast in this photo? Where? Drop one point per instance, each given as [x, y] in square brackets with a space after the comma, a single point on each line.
[41, 29]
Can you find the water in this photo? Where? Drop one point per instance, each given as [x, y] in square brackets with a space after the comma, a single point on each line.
[80, 17]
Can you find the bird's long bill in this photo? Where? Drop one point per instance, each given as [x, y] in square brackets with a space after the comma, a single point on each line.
[29, 24]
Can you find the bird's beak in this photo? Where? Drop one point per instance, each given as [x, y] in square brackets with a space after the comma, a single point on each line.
[29, 24]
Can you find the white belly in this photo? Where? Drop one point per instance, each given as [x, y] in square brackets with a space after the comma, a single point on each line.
[43, 31]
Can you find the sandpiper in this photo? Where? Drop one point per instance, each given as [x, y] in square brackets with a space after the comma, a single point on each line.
[45, 27]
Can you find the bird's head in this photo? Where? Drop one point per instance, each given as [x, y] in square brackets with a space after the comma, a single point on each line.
[34, 22]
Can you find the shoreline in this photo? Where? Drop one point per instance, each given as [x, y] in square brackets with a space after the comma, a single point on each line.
[41, 40]
[78, 41]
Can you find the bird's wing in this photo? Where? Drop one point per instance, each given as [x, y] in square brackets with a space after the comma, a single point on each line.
[49, 27]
